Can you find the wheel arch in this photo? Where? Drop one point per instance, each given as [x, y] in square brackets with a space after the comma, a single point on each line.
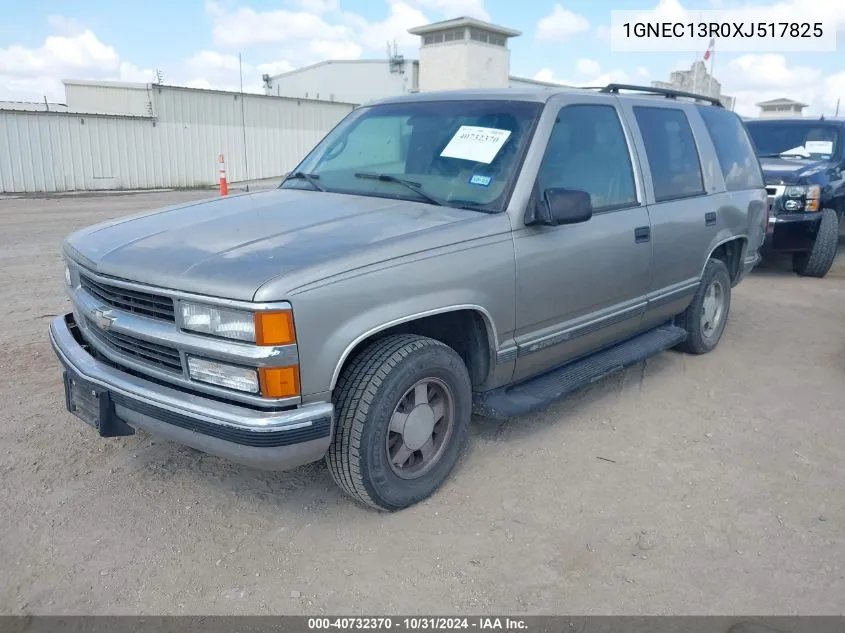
[730, 250]
[467, 328]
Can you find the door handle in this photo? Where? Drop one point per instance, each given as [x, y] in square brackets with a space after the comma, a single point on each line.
[710, 218]
[642, 234]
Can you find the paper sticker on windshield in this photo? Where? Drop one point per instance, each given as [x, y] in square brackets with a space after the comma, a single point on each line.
[478, 179]
[479, 144]
[819, 147]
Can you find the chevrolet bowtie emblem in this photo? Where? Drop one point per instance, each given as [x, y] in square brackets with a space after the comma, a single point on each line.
[104, 318]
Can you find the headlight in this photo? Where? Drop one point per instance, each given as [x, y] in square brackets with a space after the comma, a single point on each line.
[67, 277]
[239, 378]
[263, 328]
[234, 324]
[812, 194]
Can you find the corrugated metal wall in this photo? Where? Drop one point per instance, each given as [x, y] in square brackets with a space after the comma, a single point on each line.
[57, 151]
[109, 98]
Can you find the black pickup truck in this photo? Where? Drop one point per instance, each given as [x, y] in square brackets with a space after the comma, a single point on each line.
[803, 163]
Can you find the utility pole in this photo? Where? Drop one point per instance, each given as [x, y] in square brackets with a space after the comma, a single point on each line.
[837, 108]
[243, 121]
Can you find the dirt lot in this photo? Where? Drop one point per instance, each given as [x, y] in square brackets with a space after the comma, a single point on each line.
[724, 493]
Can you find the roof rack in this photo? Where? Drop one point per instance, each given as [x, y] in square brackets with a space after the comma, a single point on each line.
[666, 92]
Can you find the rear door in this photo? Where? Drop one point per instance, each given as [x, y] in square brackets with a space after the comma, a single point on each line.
[744, 203]
[683, 211]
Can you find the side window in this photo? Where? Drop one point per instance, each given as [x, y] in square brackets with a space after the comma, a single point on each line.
[587, 150]
[671, 151]
[733, 148]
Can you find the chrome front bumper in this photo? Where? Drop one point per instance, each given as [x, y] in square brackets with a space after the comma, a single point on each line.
[269, 440]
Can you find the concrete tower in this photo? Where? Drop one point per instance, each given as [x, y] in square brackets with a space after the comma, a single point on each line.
[463, 53]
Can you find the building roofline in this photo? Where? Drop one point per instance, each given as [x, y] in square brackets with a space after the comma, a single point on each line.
[782, 101]
[812, 119]
[464, 21]
[38, 103]
[137, 85]
[327, 62]
[252, 95]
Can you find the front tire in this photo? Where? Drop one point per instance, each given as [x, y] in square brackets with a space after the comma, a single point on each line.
[706, 317]
[817, 261]
[403, 414]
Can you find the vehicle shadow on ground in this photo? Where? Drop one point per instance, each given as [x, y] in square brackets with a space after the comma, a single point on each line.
[310, 488]
[574, 407]
[780, 264]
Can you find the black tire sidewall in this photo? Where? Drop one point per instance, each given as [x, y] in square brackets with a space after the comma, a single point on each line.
[382, 484]
[817, 261]
[715, 269]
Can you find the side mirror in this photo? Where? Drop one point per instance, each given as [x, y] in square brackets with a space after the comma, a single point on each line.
[567, 206]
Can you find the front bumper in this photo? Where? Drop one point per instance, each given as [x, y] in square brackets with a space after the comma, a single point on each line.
[269, 440]
[785, 228]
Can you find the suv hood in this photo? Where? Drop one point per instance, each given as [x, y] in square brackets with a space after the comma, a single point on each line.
[229, 247]
[791, 171]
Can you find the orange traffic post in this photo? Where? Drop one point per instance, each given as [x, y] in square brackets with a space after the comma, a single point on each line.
[224, 186]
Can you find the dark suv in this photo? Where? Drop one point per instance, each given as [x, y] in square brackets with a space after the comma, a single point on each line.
[803, 162]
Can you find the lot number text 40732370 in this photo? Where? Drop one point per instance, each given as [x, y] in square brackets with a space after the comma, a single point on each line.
[419, 623]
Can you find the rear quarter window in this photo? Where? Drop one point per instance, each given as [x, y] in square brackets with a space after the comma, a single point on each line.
[734, 149]
[671, 151]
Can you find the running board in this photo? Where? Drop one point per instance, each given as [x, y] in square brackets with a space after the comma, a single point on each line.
[540, 392]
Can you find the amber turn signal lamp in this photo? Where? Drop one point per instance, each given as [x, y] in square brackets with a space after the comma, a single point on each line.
[279, 382]
[274, 328]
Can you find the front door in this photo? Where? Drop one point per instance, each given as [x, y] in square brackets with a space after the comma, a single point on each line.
[583, 286]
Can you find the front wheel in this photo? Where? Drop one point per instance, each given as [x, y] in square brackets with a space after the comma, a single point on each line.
[817, 261]
[706, 317]
[403, 414]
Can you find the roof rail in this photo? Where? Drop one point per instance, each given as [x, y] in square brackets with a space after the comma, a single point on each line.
[666, 92]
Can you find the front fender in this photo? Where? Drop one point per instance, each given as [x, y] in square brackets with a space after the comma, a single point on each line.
[332, 319]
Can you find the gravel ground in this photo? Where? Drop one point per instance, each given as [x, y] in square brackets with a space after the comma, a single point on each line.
[692, 485]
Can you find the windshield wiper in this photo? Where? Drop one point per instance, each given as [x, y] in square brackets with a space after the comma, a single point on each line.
[786, 154]
[410, 184]
[312, 179]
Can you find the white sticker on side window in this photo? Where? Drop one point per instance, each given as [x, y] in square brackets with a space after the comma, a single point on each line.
[479, 144]
[819, 147]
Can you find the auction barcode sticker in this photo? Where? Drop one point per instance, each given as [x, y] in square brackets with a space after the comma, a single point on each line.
[479, 144]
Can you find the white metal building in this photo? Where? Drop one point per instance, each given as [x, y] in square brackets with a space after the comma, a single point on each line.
[459, 53]
[783, 107]
[143, 136]
[114, 135]
[350, 80]
[109, 97]
[33, 106]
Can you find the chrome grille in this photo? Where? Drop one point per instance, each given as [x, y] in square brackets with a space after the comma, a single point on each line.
[140, 303]
[160, 355]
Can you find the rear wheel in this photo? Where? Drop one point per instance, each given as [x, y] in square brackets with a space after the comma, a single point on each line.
[706, 317]
[403, 414]
[817, 261]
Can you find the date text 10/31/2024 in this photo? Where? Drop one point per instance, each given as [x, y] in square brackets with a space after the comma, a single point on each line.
[419, 623]
[762, 30]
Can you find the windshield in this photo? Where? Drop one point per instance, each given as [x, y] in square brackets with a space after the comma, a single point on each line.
[456, 153]
[799, 140]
